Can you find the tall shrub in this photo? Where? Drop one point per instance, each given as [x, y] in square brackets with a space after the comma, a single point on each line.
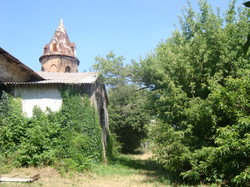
[198, 79]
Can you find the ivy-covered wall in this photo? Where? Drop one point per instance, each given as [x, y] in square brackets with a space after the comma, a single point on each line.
[68, 139]
[49, 96]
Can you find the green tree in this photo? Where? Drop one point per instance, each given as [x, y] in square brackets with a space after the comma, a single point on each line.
[112, 69]
[183, 73]
[127, 112]
[128, 116]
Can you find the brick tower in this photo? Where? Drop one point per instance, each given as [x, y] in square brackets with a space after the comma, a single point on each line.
[60, 54]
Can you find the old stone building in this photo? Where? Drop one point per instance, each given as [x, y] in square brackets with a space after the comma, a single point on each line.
[12, 70]
[60, 54]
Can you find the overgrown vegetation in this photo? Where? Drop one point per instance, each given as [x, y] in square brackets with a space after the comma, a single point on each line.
[199, 80]
[125, 170]
[128, 114]
[196, 88]
[68, 139]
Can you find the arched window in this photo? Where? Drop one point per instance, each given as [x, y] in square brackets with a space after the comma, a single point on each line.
[53, 68]
[54, 48]
[67, 69]
[45, 50]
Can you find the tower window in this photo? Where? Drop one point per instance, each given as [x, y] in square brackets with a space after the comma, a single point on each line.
[53, 68]
[67, 69]
[54, 48]
[45, 50]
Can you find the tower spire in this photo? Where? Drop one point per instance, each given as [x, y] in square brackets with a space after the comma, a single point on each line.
[60, 45]
[61, 26]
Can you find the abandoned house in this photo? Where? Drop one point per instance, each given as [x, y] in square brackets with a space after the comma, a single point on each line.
[59, 67]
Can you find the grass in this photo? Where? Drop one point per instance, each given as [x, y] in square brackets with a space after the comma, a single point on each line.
[127, 165]
[125, 171]
[133, 168]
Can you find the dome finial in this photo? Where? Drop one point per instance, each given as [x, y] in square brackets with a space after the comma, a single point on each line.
[61, 21]
[61, 26]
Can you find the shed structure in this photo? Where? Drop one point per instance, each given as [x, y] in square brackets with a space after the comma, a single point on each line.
[43, 89]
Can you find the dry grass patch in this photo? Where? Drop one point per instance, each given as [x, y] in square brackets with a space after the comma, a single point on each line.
[50, 177]
[126, 171]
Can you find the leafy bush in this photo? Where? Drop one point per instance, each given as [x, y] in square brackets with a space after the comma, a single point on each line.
[13, 124]
[199, 80]
[69, 139]
[39, 143]
[227, 161]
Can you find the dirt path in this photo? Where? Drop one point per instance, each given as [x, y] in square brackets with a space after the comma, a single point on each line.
[132, 170]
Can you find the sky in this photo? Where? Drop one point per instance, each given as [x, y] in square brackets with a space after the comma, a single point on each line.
[129, 28]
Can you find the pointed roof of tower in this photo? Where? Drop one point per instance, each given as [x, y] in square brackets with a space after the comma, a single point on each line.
[60, 33]
[60, 43]
[61, 26]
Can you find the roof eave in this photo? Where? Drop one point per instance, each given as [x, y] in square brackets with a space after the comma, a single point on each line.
[33, 74]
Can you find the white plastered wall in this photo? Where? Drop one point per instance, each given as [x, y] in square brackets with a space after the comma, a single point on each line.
[41, 96]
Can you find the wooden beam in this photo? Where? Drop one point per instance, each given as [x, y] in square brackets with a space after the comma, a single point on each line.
[11, 179]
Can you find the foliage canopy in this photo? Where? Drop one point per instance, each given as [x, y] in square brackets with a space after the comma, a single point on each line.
[128, 115]
[199, 80]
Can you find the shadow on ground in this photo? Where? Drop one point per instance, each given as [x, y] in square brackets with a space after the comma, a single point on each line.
[147, 167]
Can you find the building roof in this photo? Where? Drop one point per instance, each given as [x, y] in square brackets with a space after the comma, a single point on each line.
[68, 78]
[49, 77]
[33, 75]
[62, 78]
